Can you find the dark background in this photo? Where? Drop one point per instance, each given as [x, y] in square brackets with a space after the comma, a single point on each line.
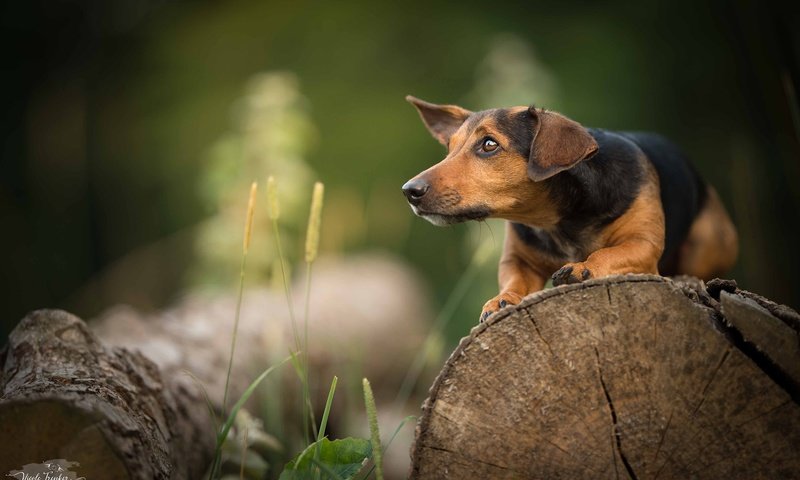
[109, 110]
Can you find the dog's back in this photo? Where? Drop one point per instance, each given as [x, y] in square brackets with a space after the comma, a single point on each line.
[683, 192]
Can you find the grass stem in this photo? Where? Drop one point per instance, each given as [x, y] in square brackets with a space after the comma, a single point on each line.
[374, 431]
[453, 301]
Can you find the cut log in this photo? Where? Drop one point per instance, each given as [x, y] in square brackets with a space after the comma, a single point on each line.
[65, 395]
[117, 399]
[624, 377]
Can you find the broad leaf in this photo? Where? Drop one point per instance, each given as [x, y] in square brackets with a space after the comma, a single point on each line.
[344, 458]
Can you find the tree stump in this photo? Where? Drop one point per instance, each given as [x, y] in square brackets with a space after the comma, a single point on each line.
[632, 376]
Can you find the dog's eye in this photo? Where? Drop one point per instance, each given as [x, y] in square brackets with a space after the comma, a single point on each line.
[489, 145]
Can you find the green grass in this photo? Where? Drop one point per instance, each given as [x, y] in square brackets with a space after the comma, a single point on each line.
[455, 298]
[374, 431]
[312, 458]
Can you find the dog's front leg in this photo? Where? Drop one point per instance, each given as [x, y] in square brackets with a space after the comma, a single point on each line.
[517, 279]
[635, 242]
[631, 256]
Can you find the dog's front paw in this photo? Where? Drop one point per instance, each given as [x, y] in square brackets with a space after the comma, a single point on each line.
[501, 301]
[571, 273]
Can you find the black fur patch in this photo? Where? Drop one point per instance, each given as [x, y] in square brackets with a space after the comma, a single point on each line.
[537, 239]
[683, 192]
[476, 118]
[518, 127]
[599, 190]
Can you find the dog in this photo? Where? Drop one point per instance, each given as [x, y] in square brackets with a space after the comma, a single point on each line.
[579, 202]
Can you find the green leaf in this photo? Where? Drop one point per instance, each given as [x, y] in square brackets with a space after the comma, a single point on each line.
[344, 458]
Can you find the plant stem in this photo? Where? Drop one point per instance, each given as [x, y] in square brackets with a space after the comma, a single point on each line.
[450, 306]
[244, 453]
[286, 287]
[306, 390]
[389, 443]
[374, 431]
[235, 331]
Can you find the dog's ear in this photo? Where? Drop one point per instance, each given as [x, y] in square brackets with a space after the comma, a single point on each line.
[442, 120]
[558, 144]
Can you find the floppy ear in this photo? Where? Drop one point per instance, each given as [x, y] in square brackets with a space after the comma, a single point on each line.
[558, 144]
[442, 120]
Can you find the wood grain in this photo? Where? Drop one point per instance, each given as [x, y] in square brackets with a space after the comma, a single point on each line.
[631, 376]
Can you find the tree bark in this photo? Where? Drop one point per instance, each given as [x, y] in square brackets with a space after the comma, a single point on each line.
[623, 377]
[63, 394]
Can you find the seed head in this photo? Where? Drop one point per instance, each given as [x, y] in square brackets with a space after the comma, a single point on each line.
[251, 208]
[272, 199]
[314, 220]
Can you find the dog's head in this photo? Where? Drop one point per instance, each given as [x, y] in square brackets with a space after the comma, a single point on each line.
[497, 163]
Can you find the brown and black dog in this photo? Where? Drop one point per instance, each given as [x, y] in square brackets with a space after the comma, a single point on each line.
[580, 202]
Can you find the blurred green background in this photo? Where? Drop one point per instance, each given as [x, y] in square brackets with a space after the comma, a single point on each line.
[121, 120]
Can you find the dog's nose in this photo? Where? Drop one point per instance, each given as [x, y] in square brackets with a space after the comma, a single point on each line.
[415, 189]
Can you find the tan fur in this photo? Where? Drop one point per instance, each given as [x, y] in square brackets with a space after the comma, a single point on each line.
[509, 186]
[635, 241]
[502, 183]
[712, 246]
[631, 244]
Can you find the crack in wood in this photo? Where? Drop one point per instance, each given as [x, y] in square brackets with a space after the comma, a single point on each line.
[472, 459]
[663, 436]
[713, 376]
[686, 441]
[750, 350]
[539, 333]
[584, 327]
[462, 421]
[779, 406]
[615, 427]
[702, 450]
[697, 408]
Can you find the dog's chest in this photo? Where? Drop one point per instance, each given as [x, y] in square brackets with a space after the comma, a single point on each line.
[554, 244]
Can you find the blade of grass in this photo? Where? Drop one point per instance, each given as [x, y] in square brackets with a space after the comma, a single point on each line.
[397, 430]
[235, 332]
[298, 367]
[210, 406]
[327, 411]
[226, 427]
[388, 444]
[324, 421]
[248, 229]
[453, 301]
[306, 387]
[374, 431]
[273, 212]
[312, 248]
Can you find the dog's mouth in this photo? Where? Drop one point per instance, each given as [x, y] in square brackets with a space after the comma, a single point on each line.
[443, 219]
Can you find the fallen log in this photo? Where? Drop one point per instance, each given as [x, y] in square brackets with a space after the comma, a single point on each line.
[623, 377]
[64, 394]
[115, 397]
[118, 397]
